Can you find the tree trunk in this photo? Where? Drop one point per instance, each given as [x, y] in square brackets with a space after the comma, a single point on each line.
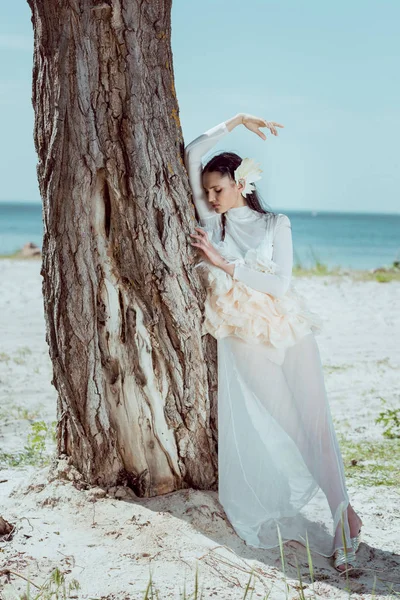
[136, 381]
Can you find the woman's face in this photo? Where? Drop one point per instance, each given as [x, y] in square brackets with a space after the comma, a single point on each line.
[222, 192]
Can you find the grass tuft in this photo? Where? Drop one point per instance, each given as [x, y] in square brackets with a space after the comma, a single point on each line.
[318, 268]
[390, 419]
[371, 463]
[35, 449]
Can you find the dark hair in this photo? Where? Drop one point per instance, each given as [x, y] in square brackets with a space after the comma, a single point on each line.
[226, 163]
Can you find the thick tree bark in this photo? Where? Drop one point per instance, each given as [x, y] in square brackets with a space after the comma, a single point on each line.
[136, 381]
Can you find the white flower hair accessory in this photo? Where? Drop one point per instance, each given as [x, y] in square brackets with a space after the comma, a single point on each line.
[247, 172]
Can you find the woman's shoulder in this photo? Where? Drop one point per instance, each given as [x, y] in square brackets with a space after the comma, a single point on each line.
[274, 221]
[282, 219]
[276, 218]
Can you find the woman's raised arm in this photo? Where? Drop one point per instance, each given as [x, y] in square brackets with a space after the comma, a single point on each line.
[193, 154]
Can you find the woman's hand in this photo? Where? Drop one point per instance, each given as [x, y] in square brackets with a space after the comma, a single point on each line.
[253, 123]
[207, 248]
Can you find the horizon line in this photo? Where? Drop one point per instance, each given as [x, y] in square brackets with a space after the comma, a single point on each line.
[274, 209]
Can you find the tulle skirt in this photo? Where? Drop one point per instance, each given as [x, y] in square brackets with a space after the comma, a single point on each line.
[280, 466]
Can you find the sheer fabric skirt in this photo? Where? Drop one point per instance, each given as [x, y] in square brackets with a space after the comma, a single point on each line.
[280, 466]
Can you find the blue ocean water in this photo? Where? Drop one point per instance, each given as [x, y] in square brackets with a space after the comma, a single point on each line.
[353, 240]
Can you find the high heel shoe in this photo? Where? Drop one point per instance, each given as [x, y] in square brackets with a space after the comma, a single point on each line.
[340, 557]
[355, 541]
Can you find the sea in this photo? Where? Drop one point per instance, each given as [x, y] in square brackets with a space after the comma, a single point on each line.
[337, 239]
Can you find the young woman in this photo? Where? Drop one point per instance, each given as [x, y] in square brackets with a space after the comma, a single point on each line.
[280, 468]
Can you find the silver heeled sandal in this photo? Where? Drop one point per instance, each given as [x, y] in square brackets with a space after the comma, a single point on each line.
[355, 541]
[340, 557]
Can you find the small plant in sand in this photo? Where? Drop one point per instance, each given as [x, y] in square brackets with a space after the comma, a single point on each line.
[371, 462]
[40, 432]
[381, 274]
[34, 452]
[22, 352]
[54, 588]
[318, 268]
[390, 419]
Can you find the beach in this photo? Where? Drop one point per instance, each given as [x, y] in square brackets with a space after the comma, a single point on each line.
[110, 540]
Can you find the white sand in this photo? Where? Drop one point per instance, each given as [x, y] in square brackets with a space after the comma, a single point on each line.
[109, 542]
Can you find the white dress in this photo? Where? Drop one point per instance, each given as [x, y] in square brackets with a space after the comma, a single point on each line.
[280, 466]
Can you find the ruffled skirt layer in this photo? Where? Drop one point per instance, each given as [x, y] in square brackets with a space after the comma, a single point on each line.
[232, 308]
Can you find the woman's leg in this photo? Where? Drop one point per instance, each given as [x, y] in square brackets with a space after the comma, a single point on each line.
[303, 365]
[294, 394]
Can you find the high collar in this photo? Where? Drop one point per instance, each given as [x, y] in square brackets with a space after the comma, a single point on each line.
[241, 213]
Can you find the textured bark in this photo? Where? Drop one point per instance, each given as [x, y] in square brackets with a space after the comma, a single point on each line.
[136, 381]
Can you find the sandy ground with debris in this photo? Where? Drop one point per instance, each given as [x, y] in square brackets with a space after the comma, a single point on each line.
[110, 540]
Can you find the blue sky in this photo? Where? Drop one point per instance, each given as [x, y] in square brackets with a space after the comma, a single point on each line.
[325, 70]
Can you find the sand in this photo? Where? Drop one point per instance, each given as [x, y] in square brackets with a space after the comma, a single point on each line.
[109, 540]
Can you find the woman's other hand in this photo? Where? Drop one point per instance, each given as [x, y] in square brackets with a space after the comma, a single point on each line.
[253, 123]
[203, 243]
